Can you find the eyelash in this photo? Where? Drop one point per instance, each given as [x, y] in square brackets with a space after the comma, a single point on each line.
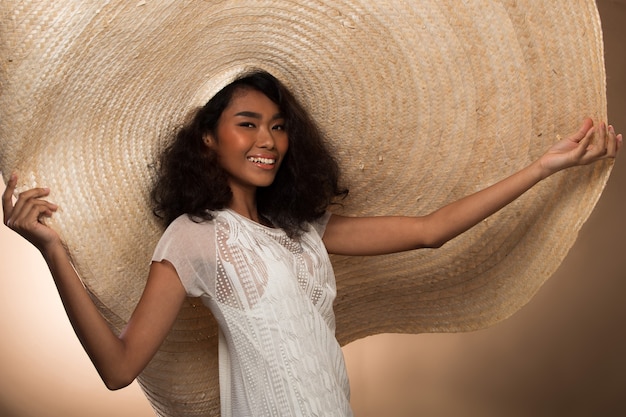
[252, 125]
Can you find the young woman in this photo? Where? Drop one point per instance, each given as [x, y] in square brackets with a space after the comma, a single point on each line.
[244, 191]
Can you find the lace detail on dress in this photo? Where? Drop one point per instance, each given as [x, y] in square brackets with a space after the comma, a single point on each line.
[246, 257]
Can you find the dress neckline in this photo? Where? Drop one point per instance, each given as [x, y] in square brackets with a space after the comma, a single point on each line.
[252, 222]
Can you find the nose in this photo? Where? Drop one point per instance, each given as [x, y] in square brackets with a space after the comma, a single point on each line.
[265, 139]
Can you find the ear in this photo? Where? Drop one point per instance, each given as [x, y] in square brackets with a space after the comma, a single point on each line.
[208, 139]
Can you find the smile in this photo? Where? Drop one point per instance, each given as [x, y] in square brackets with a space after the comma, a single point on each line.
[258, 160]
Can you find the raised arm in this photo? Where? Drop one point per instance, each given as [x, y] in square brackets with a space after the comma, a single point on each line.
[118, 359]
[380, 235]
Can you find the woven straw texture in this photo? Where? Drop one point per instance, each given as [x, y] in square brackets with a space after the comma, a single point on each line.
[425, 101]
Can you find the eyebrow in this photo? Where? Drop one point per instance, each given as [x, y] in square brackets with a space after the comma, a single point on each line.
[258, 115]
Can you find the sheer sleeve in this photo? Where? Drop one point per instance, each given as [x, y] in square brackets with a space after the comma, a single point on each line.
[319, 225]
[190, 248]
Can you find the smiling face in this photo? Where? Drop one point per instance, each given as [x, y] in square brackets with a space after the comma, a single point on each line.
[251, 141]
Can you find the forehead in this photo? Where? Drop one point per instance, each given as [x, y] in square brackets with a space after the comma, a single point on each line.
[246, 98]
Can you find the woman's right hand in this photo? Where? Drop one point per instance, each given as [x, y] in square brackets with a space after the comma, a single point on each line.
[27, 216]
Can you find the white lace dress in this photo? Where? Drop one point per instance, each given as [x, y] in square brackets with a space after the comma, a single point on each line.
[273, 299]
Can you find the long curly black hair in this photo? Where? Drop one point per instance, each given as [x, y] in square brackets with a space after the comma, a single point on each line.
[191, 181]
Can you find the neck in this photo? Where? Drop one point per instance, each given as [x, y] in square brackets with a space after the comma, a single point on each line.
[245, 205]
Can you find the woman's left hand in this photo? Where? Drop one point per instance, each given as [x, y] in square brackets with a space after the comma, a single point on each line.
[590, 144]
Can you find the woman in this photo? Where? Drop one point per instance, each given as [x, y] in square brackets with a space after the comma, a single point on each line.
[244, 192]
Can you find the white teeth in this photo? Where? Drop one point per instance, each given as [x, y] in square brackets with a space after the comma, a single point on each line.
[256, 160]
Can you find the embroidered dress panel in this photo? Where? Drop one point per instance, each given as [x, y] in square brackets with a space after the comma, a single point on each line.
[273, 299]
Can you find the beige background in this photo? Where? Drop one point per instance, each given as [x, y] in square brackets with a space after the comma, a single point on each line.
[561, 355]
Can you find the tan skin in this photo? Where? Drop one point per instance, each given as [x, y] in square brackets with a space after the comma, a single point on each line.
[252, 144]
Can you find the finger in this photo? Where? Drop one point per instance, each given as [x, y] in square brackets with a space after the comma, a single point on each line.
[38, 192]
[29, 195]
[583, 131]
[24, 204]
[602, 140]
[598, 148]
[41, 210]
[7, 196]
[585, 143]
[32, 213]
[615, 142]
[612, 142]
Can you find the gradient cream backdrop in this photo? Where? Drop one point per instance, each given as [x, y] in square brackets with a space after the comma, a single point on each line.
[561, 355]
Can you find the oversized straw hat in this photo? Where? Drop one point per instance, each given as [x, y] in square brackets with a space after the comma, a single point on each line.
[425, 102]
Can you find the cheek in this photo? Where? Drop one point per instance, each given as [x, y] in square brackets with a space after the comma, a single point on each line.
[284, 145]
